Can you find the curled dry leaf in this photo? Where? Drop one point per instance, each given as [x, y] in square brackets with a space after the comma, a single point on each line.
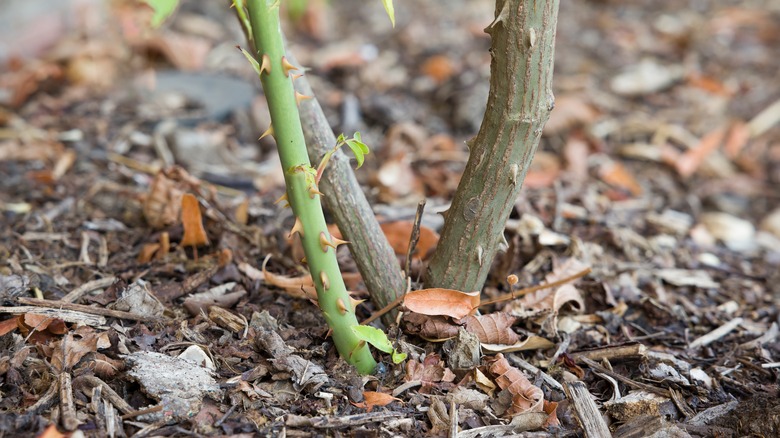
[525, 396]
[532, 343]
[493, 328]
[554, 298]
[371, 399]
[432, 371]
[40, 328]
[438, 301]
[194, 233]
[430, 328]
[163, 202]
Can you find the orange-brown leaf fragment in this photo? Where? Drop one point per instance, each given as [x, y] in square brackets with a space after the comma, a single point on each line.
[372, 399]
[689, 162]
[194, 233]
[399, 232]
[493, 328]
[525, 396]
[438, 301]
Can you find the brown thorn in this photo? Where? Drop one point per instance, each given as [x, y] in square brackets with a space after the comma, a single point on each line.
[267, 132]
[297, 228]
[341, 306]
[300, 98]
[324, 242]
[265, 65]
[286, 66]
[325, 280]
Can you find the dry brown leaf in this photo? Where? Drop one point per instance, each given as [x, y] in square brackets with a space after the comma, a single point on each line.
[525, 396]
[439, 68]
[493, 328]
[163, 202]
[551, 409]
[430, 328]
[194, 233]
[616, 175]
[432, 371]
[688, 163]
[8, 326]
[739, 134]
[437, 301]
[554, 298]
[106, 367]
[39, 329]
[371, 399]
[399, 232]
[147, 252]
[570, 111]
[545, 169]
[297, 287]
[67, 352]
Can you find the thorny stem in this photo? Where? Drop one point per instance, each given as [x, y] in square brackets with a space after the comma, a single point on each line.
[302, 192]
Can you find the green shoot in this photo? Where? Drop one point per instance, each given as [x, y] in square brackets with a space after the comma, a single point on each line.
[378, 339]
[359, 149]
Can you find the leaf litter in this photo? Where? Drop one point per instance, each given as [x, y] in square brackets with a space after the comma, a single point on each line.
[654, 178]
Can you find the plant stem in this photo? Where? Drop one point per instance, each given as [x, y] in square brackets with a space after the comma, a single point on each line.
[519, 104]
[302, 192]
[345, 200]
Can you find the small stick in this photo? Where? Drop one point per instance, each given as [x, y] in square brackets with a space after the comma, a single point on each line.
[108, 392]
[525, 291]
[88, 287]
[716, 334]
[415, 237]
[65, 315]
[67, 408]
[85, 309]
[151, 410]
[619, 352]
[630, 382]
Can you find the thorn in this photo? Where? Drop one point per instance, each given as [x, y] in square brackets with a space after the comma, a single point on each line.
[479, 254]
[295, 76]
[286, 66]
[314, 191]
[531, 38]
[515, 169]
[338, 241]
[324, 242]
[355, 302]
[444, 213]
[269, 131]
[470, 142]
[504, 242]
[281, 198]
[341, 306]
[300, 98]
[297, 228]
[325, 280]
[265, 65]
[303, 260]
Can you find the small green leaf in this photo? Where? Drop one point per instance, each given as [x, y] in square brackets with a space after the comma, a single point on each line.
[378, 339]
[341, 139]
[357, 150]
[398, 357]
[162, 10]
[390, 10]
[252, 60]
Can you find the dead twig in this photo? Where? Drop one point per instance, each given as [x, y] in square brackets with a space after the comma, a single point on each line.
[414, 237]
[592, 422]
[76, 294]
[525, 291]
[85, 309]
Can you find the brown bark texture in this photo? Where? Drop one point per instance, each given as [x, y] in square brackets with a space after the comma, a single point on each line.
[519, 104]
[351, 211]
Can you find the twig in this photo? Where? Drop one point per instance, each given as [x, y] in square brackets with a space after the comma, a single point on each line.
[453, 415]
[139, 412]
[592, 422]
[630, 382]
[92, 381]
[85, 309]
[76, 294]
[620, 352]
[46, 400]
[716, 334]
[525, 291]
[67, 408]
[415, 237]
[65, 315]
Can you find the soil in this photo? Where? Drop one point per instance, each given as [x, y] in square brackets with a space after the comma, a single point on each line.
[655, 172]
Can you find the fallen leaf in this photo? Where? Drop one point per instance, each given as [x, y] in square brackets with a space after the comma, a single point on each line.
[194, 233]
[554, 298]
[163, 202]
[532, 343]
[399, 232]
[67, 352]
[616, 175]
[525, 396]
[570, 111]
[493, 328]
[431, 372]
[430, 328]
[371, 399]
[688, 163]
[739, 134]
[437, 301]
[439, 68]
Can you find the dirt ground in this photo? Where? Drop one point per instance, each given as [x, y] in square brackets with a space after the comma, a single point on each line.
[655, 171]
